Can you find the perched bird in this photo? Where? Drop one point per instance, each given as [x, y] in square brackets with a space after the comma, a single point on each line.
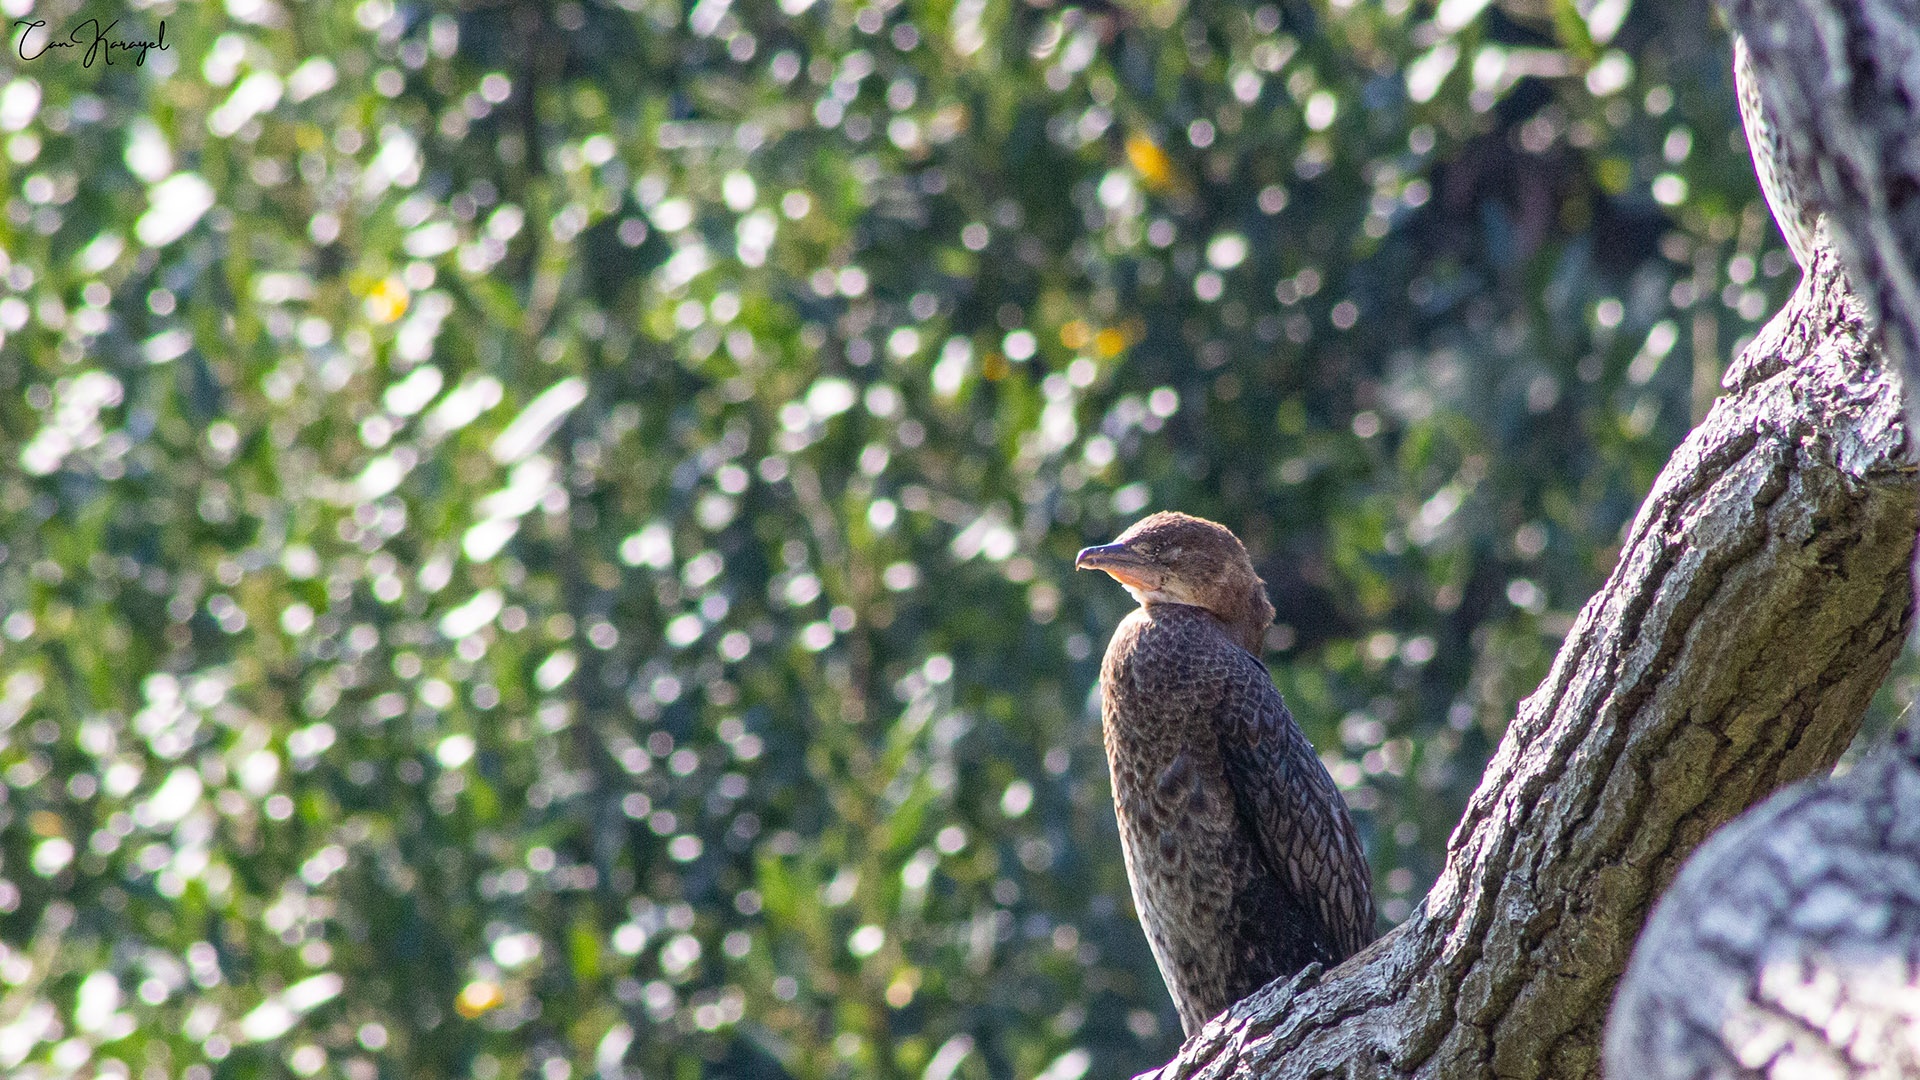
[1244, 863]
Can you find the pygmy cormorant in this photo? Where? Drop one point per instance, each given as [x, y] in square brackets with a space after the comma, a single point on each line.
[1244, 863]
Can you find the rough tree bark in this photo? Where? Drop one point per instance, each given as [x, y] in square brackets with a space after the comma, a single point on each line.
[1790, 943]
[1758, 603]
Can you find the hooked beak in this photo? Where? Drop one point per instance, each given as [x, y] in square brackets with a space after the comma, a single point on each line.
[1120, 563]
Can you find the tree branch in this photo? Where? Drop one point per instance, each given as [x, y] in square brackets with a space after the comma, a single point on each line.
[1757, 605]
[1786, 944]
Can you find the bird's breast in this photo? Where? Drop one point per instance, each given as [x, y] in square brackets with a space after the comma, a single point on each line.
[1186, 855]
[1208, 773]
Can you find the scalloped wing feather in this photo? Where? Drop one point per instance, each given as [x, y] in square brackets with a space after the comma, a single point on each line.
[1293, 809]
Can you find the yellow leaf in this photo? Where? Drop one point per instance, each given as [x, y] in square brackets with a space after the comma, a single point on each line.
[480, 997]
[1151, 162]
[387, 301]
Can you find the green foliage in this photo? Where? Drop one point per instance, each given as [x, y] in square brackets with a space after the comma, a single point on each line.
[538, 538]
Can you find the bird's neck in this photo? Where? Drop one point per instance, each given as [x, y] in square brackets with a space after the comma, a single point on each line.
[1248, 626]
[1245, 622]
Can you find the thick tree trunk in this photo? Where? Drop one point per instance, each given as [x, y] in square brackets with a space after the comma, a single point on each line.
[1759, 600]
[1787, 945]
[1790, 945]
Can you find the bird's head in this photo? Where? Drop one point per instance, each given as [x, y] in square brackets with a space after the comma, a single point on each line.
[1174, 558]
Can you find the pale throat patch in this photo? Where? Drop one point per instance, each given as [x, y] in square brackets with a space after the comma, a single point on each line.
[1162, 595]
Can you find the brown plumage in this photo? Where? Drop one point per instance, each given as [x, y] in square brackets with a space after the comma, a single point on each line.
[1244, 863]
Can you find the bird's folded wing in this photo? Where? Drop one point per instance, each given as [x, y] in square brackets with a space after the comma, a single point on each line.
[1290, 804]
